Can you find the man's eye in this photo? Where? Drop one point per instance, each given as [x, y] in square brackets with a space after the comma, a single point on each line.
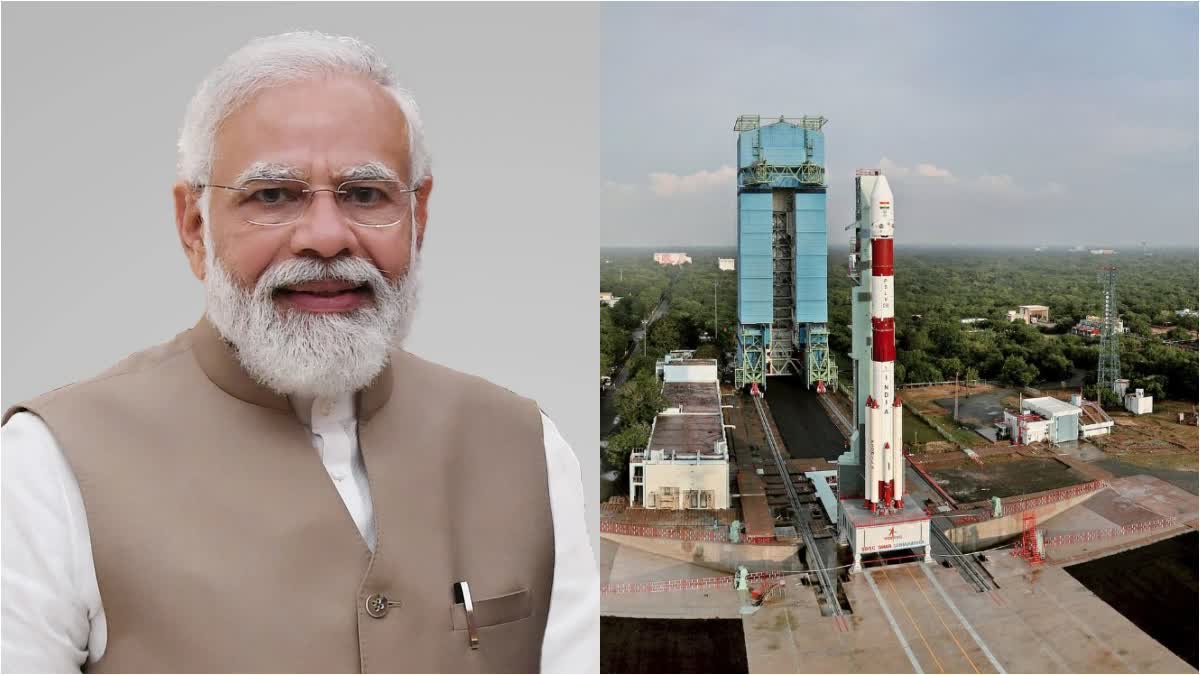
[364, 195]
[272, 196]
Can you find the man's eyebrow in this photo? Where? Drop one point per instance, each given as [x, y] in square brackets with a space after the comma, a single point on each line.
[368, 171]
[270, 171]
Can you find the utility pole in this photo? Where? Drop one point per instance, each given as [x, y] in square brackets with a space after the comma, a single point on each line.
[715, 311]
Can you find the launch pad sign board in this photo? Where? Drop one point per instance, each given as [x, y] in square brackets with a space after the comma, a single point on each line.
[889, 537]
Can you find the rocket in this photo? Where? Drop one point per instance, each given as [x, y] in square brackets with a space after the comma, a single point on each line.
[885, 455]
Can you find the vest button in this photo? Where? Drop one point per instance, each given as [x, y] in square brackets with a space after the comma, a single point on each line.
[378, 605]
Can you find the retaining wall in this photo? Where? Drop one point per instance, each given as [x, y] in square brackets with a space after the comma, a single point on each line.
[720, 556]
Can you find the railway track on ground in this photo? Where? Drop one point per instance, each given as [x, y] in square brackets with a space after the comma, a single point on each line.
[971, 570]
[828, 584]
[836, 414]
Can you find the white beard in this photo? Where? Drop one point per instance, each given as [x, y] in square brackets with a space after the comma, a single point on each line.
[297, 353]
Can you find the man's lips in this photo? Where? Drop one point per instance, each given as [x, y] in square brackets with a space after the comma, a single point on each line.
[324, 296]
[330, 286]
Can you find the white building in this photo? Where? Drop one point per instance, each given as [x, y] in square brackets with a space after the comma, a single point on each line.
[686, 461]
[609, 299]
[1044, 419]
[1030, 314]
[726, 264]
[672, 258]
[1138, 403]
[1103, 251]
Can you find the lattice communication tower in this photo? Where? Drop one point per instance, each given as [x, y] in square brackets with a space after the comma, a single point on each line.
[1109, 370]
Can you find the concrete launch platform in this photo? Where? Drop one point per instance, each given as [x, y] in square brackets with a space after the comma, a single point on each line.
[869, 532]
[923, 618]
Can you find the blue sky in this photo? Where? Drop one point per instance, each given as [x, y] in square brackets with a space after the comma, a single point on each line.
[997, 123]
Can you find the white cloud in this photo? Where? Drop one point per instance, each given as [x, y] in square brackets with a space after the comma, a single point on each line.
[613, 186]
[931, 171]
[670, 184]
[1001, 183]
[892, 169]
[924, 170]
[991, 183]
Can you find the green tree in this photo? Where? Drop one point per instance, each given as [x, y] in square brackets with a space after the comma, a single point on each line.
[640, 399]
[628, 439]
[1017, 372]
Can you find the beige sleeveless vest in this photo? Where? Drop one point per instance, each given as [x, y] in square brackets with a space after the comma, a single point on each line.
[221, 543]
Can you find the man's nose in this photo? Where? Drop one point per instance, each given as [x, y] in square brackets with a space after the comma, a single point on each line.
[323, 231]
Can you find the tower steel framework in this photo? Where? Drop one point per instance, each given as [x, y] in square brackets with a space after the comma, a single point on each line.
[1109, 370]
[782, 251]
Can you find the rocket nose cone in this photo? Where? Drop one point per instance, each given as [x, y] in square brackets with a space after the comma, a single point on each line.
[882, 191]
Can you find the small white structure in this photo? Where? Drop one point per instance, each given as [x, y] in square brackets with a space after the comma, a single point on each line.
[1138, 403]
[609, 299]
[1185, 312]
[1030, 314]
[1043, 419]
[726, 264]
[1026, 427]
[672, 258]
[686, 461]
[972, 320]
[1103, 251]
[1120, 387]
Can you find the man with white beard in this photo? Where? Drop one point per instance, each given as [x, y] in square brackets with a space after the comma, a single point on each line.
[282, 487]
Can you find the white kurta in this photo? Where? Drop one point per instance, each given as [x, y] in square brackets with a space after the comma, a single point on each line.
[52, 612]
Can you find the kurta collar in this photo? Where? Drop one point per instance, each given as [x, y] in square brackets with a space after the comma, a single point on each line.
[218, 359]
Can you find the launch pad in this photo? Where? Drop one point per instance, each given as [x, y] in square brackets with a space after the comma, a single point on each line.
[870, 531]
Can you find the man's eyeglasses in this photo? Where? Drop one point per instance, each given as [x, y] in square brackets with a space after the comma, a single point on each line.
[369, 203]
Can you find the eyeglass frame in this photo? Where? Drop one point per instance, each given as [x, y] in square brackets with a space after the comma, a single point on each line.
[311, 194]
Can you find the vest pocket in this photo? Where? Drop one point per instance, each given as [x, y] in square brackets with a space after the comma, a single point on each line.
[493, 611]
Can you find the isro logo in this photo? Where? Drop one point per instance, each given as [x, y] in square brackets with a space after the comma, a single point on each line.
[891, 535]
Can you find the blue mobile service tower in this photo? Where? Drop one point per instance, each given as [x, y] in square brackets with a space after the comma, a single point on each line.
[782, 263]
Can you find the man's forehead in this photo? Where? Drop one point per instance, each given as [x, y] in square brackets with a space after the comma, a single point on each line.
[316, 129]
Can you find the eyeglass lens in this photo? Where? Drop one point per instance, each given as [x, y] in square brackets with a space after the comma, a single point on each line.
[365, 202]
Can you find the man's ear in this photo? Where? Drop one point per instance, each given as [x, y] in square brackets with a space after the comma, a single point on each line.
[423, 193]
[190, 226]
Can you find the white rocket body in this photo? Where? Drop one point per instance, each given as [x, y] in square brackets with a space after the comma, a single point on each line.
[884, 463]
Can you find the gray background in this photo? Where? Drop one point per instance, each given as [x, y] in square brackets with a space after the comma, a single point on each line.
[93, 97]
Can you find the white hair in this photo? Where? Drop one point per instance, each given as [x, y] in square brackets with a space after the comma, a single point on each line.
[276, 60]
[297, 353]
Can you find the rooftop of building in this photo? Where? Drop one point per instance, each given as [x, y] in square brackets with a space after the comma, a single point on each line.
[1050, 406]
[698, 426]
[687, 434]
[693, 362]
[693, 397]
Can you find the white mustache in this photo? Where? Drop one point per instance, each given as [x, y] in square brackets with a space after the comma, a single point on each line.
[357, 271]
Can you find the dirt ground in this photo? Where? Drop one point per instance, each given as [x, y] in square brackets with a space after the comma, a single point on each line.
[672, 645]
[1158, 431]
[1004, 476]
